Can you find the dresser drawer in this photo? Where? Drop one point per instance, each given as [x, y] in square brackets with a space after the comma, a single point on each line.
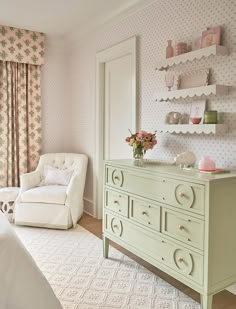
[136, 182]
[183, 227]
[135, 236]
[117, 202]
[186, 262]
[184, 195]
[177, 258]
[146, 213]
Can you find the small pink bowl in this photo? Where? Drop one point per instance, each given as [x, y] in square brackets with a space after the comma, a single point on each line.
[206, 164]
[196, 120]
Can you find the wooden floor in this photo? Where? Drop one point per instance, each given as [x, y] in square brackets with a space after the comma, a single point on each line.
[223, 300]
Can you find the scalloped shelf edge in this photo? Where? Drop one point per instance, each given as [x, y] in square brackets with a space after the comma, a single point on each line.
[191, 92]
[192, 128]
[214, 50]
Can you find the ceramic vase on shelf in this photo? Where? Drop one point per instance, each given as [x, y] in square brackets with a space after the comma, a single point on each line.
[169, 49]
[138, 156]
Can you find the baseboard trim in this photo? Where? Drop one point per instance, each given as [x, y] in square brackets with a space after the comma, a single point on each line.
[88, 213]
[88, 206]
[232, 289]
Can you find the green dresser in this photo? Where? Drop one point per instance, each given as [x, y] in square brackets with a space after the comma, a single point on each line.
[182, 222]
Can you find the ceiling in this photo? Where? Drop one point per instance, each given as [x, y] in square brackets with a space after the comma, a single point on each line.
[58, 18]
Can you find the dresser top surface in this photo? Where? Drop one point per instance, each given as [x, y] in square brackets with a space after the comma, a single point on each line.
[173, 170]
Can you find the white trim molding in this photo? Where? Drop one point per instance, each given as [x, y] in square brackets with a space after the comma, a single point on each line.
[77, 37]
[88, 206]
[127, 47]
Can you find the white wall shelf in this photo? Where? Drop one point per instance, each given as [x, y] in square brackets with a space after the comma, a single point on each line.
[214, 50]
[192, 128]
[191, 92]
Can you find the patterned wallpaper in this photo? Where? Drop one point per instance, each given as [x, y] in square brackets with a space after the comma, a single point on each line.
[69, 83]
[178, 20]
[20, 45]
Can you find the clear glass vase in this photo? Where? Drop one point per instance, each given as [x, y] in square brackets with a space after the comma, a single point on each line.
[138, 157]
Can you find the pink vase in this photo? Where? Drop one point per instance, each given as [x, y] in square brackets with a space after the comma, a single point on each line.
[169, 50]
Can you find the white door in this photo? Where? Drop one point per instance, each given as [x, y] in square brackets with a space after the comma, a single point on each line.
[118, 107]
[115, 109]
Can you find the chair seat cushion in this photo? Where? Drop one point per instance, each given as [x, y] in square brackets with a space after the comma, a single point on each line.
[45, 194]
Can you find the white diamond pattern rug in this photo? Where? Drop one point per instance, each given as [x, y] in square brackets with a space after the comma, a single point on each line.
[82, 279]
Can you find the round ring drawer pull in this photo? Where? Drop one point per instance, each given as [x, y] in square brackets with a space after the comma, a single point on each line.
[181, 227]
[116, 202]
[180, 260]
[116, 226]
[117, 178]
[144, 213]
[181, 194]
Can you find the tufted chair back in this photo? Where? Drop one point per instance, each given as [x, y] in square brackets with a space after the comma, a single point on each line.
[77, 162]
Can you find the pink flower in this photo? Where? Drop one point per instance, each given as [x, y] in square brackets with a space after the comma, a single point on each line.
[142, 134]
[142, 140]
[154, 141]
[146, 145]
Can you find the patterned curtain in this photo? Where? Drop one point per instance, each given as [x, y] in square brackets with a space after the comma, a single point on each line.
[20, 120]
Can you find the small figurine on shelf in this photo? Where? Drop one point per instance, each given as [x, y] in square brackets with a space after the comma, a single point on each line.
[169, 49]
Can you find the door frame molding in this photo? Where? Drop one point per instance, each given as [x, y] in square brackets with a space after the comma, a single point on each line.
[127, 47]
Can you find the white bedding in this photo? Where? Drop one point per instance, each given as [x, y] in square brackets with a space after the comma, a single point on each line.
[22, 285]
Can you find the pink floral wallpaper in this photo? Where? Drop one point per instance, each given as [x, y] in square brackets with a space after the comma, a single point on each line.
[20, 45]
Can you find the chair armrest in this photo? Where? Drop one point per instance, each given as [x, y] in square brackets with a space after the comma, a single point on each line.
[74, 190]
[29, 180]
[74, 199]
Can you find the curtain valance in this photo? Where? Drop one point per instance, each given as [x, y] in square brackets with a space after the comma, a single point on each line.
[20, 45]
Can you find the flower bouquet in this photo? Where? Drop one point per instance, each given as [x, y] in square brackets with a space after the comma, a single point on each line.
[141, 141]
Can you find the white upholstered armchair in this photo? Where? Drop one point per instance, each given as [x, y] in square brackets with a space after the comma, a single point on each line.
[52, 195]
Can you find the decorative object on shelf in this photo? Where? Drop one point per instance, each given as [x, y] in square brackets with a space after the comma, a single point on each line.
[173, 117]
[184, 119]
[185, 159]
[194, 79]
[197, 43]
[141, 142]
[210, 117]
[170, 80]
[169, 50]
[211, 37]
[181, 48]
[196, 120]
[197, 111]
[189, 47]
[206, 164]
[214, 50]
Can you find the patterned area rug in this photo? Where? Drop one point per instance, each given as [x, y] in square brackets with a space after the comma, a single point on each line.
[82, 279]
